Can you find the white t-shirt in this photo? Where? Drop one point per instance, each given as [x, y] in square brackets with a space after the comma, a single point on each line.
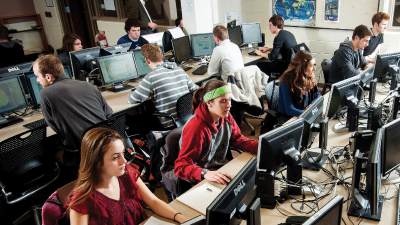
[225, 59]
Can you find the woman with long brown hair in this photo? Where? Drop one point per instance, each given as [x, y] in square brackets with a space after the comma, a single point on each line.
[297, 87]
[108, 190]
[207, 137]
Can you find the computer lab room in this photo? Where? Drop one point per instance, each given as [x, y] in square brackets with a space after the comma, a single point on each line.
[214, 112]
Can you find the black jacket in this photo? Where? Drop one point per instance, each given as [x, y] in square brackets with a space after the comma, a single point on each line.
[346, 62]
[281, 49]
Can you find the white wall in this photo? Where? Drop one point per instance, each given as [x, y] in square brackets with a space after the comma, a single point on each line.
[52, 25]
[114, 30]
[198, 15]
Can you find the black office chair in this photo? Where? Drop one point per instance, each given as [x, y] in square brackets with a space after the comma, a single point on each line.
[326, 68]
[134, 153]
[184, 109]
[25, 171]
[299, 47]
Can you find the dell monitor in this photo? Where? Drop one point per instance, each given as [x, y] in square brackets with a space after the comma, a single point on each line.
[116, 49]
[202, 44]
[15, 69]
[390, 150]
[12, 98]
[276, 148]
[237, 200]
[329, 214]
[231, 24]
[34, 89]
[346, 93]
[182, 49]
[141, 66]
[383, 63]
[314, 124]
[155, 38]
[366, 199]
[84, 61]
[251, 33]
[235, 35]
[116, 69]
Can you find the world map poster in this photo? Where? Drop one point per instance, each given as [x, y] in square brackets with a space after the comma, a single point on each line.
[295, 12]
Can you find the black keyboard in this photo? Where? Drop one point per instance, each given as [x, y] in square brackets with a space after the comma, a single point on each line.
[398, 207]
[200, 70]
[36, 124]
[10, 120]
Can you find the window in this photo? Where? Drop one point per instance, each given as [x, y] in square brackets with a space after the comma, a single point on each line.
[395, 14]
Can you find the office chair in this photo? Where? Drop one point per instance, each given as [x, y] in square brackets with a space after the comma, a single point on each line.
[25, 171]
[184, 109]
[326, 68]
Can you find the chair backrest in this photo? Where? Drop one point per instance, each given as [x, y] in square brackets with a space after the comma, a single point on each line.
[18, 152]
[184, 107]
[326, 68]
[299, 47]
[272, 95]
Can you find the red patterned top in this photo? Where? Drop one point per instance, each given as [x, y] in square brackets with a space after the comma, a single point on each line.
[127, 211]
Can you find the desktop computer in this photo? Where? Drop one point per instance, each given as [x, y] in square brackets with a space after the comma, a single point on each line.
[182, 49]
[251, 33]
[141, 66]
[116, 69]
[12, 98]
[235, 35]
[329, 214]
[202, 44]
[83, 62]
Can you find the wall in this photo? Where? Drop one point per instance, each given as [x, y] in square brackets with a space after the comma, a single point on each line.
[16, 8]
[52, 25]
[114, 30]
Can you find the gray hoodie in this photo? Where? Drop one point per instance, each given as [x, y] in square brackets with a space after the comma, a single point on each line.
[346, 62]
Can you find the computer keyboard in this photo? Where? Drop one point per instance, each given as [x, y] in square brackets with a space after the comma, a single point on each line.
[36, 124]
[10, 120]
[398, 206]
[253, 53]
[200, 70]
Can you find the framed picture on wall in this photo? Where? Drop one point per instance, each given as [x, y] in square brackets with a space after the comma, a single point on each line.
[332, 10]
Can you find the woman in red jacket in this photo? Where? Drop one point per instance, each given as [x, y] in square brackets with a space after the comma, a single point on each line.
[208, 135]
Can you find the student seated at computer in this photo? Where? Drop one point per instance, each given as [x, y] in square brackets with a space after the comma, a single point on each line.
[108, 189]
[132, 28]
[11, 52]
[164, 84]
[68, 106]
[347, 61]
[279, 55]
[209, 135]
[297, 87]
[71, 42]
[226, 58]
[380, 21]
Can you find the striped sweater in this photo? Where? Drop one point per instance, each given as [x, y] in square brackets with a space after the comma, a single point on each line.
[165, 84]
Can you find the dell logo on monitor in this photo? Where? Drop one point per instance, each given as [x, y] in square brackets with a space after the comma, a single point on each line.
[314, 111]
[239, 188]
[12, 69]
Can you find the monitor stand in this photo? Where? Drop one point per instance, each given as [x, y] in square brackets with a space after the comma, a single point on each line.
[9, 120]
[315, 160]
[120, 87]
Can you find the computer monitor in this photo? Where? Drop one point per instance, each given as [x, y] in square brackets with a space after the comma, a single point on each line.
[235, 35]
[15, 69]
[141, 66]
[202, 44]
[115, 69]
[116, 49]
[154, 38]
[276, 148]
[329, 214]
[366, 76]
[251, 33]
[182, 49]
[236, 201]
[84, 61]
[314, 124]
[366, 199]
[390, 150]
[346, 93]
[12, 96]
[34, 89]
[383, 63]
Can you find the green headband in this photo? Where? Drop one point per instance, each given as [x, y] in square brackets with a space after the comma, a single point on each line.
[217, 93]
